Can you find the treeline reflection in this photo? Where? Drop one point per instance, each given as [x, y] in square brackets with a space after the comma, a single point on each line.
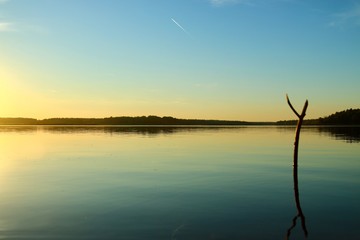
[348, 134]
[144, 130]
[344, 133]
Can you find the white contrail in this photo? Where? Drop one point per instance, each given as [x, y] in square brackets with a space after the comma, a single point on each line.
[180, 26]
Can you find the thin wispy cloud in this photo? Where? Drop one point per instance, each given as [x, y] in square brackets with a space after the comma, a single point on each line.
[15, 27]
[351, 16]
[180, 26]
[6, 27]
[218, 3]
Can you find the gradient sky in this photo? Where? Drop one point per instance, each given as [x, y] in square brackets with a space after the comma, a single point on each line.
[209, 59]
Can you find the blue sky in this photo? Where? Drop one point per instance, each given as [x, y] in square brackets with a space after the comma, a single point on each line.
[224, 59]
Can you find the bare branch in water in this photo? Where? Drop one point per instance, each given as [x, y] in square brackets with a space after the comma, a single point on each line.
[295, 169]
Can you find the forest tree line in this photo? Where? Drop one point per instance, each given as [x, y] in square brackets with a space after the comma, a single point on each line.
[143, 120]
[346, 117]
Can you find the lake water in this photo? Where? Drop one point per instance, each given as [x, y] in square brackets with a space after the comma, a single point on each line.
[101, 182]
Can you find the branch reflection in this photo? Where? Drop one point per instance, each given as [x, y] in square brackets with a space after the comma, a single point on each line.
[300, 213]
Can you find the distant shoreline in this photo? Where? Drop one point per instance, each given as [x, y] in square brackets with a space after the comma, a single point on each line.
[180, 126]
[346, 117]
[143, 120]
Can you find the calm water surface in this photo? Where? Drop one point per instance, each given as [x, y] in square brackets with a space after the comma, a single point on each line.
[177, 183]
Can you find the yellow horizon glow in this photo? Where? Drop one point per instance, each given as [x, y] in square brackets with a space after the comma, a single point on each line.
[19, 99]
